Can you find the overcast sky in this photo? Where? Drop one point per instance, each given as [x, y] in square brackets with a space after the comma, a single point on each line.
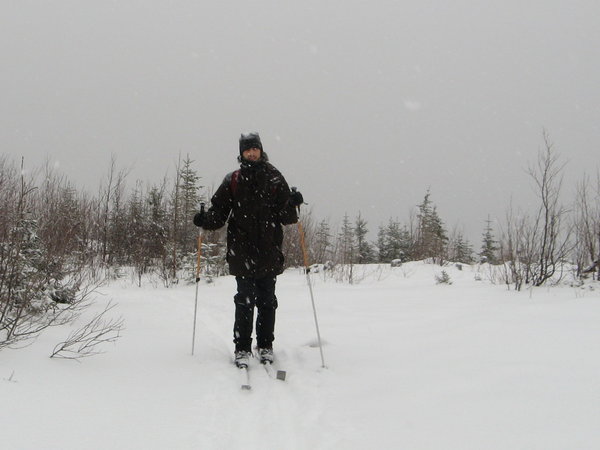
[363, 105]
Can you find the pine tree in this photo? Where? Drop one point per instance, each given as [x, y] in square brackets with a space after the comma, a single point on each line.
[31, 267]
[365, 251]
[382, 243]
[399, 241]
[138, 233]
[432, 238]
[157, 226]
[323, 243]
[462, 250]
[489, 247]
[347, 244]
[394, 242]
[347, 249]
[184, 203]
[189, 198]
[405, 245]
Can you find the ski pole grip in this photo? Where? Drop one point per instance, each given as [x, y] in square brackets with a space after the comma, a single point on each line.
[199, 251]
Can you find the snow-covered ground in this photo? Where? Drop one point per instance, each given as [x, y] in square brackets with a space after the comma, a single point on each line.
[411, 364]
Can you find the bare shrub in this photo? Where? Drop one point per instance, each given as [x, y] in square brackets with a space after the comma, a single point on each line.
[535, 245]
[42, 281]
[87, 340]
[586, 226]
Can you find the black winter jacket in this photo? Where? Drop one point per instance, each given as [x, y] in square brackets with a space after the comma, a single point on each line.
[255, 213]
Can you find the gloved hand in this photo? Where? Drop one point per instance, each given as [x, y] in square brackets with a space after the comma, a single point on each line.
[296, 198]
[199, 218]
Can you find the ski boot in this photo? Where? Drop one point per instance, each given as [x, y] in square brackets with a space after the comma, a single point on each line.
[242, 358]
[265, 355]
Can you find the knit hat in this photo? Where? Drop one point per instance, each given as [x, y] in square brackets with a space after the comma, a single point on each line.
[250, 140]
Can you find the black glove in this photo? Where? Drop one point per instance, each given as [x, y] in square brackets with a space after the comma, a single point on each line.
[296, 198]
[199, 218]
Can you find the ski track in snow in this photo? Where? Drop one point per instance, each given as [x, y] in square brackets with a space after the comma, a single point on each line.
[410, 364]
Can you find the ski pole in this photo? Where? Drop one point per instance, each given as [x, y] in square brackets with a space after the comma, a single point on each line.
[199, 253]
[306, 270]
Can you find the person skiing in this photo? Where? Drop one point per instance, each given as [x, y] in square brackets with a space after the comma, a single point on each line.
[255, 201]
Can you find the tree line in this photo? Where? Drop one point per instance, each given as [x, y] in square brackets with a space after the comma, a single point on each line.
[57, 240]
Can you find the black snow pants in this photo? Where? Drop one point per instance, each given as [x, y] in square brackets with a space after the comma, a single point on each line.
[259, 293]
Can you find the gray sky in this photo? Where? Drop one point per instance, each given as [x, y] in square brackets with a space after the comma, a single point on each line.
[363, 105]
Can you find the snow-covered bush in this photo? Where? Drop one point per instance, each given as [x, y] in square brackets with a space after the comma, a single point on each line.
[41, 283]
[443, 278]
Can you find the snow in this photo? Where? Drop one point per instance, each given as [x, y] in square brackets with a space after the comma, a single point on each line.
[410, 364]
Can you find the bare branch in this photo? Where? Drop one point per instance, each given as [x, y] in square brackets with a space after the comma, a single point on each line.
[85, 341]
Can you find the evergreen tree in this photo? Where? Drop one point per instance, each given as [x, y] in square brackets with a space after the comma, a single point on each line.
[489, 246]
[30, 257]
[393, 242]
[347, 244]
[381, 243]
[189, 198]
[405, 245]
[432, 238]
[347, 252]
[137, 219]
[400, 242]
[365, 251]
[323, 242]
[462, 251]
[157, 226]
[182, 232]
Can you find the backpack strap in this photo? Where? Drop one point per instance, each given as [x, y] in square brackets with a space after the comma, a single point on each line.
[234, 182]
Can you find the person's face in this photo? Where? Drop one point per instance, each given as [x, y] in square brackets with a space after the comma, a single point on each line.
[252, 154]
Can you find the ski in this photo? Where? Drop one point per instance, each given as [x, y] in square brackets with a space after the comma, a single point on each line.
[275, 374]
[245, 378]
